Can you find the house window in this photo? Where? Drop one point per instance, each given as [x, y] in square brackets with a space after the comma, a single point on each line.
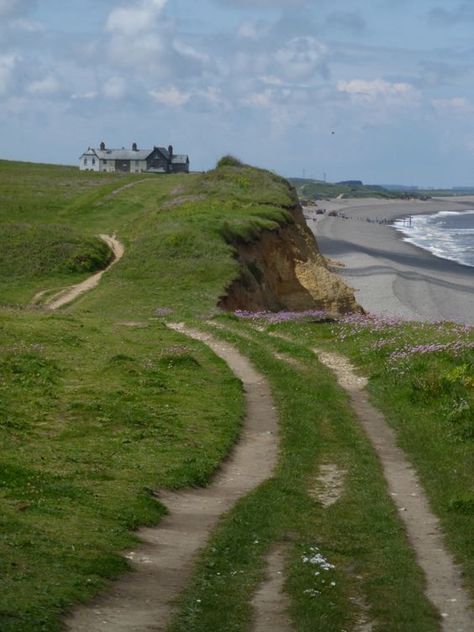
[105, 162]
[93, 161]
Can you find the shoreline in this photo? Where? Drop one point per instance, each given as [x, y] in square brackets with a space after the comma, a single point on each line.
[391, 276]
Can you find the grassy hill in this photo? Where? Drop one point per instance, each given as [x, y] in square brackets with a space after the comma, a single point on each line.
[101, 403]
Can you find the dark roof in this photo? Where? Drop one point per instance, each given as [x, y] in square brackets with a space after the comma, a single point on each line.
[180, 159]
[139, 154]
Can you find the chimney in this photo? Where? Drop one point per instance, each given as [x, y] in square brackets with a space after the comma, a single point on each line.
[134, 147]
[170, 150]
[102, 146]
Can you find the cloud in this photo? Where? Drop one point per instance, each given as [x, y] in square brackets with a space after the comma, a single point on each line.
[263, 99]
[301, 58]
[171, 97]
[43, 87]
[454, 105]
[372, 90]
[252, 30]
[133, 20]
[264, 4]
[114, 88]
[142, 40]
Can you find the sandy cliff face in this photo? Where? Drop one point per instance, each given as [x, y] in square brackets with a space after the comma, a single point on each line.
[284, 270]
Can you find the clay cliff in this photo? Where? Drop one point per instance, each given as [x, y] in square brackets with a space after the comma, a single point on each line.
[282, 269]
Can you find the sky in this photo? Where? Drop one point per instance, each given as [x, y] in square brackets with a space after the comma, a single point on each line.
[376, 90]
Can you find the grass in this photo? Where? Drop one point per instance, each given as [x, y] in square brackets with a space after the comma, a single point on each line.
[40, 255]
[360, 535]
[100, 403]
[422, 378]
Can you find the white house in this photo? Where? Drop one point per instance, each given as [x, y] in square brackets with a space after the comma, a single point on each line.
[134, 160]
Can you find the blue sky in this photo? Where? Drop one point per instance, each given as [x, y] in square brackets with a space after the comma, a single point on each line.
[378, 90]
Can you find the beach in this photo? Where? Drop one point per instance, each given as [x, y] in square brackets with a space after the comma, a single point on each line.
[390, 276]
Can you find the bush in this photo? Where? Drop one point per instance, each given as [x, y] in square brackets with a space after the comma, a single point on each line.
[229, 161]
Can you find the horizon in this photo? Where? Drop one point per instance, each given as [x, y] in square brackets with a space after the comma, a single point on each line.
[294, 86]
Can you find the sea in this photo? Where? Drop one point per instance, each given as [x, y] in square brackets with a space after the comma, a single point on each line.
[448, 234]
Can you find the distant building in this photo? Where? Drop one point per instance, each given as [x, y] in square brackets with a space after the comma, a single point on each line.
[134, 160]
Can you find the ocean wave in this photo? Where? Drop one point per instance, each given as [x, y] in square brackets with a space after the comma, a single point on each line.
[447, 234]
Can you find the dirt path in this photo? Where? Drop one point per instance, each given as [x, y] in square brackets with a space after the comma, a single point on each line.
[71, 293]
[443, 580]
[163, 564]
[270, 602]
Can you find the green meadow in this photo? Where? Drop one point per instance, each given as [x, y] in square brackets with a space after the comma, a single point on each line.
[101, 404]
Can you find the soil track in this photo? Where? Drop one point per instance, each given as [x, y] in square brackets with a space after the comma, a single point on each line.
[443, 579]
[143, 600]
[68, 295]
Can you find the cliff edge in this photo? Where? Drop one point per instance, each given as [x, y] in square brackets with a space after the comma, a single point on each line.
[282, 269]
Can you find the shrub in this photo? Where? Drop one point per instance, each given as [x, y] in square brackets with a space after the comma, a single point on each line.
[229, 161]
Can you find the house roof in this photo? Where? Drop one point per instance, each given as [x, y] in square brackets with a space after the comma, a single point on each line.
[180, 159]
[130, 154]
[123, 154]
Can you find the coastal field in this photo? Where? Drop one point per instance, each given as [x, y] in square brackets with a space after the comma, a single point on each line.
[102, 405]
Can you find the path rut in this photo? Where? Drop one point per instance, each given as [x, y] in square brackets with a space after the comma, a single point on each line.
[443, 579]
[68, 295]
[143, 600]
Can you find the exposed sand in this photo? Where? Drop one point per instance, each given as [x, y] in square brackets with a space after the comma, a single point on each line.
[391, 276]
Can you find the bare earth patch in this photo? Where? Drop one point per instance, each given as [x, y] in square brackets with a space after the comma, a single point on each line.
[143, 600]
[134, 324]
[270, 602]
[443, 578]
[328, 487]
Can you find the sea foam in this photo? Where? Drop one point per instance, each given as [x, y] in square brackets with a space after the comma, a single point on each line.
[447, 234]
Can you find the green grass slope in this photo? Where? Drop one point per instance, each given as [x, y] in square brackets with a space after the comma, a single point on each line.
[39, 255]
[100, 403]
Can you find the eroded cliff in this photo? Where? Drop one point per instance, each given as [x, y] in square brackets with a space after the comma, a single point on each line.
[282, 269]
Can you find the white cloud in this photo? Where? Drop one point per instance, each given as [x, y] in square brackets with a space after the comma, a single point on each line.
[133, 20]
[262, 99]
[248, 30]
[114, 88]
[456, 105]
[140, 54]
[301, 58]
[271, 80]
[188, 51]
[372, 90]
[46, 86]
[29, 26]
[7, 65]
[85, 95]
[171, 97]
[213, 96]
